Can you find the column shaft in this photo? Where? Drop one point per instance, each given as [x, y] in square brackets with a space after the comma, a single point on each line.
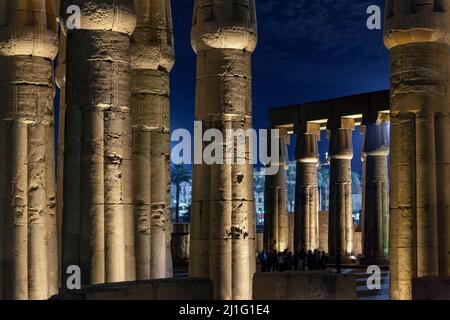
[28, 249]
[223, 235]
[418, 37]
[275, 205]
[152, 57]
[98, 205]
[341, 215]
[376, 202]
[306, 232]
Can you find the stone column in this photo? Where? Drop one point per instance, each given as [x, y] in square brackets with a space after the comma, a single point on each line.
[60, 79]
[376, 202]
[223, 213]
[417, 36]
[341, 216]
[98, 201]
[152, 59]
[275, 204]
[28, 225]
[306, 232]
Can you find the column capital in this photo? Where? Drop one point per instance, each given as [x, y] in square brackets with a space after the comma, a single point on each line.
[28, 28]
[227, 24]
[341, 144]
[102, 15]
[376, 141]
[414, 21]
[152, 44]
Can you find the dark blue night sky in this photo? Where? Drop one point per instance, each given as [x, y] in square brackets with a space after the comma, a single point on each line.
[308, 50]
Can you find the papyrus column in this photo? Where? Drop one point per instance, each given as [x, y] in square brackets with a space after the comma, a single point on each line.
[341, 216]
[223, 213]
[98, 202]
[417, 36]
[275, 204]
[376, 202]
[152, 58]
[28, 233]
[306, 232]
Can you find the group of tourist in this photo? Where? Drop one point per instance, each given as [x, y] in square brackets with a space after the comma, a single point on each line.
[286, 261]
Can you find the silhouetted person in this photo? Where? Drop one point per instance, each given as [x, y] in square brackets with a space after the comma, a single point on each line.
[290, 261]
[264, 259]
[302, 259]
[317, 259]
[338, 260]
[281, 262]
[274, 261]
[296, 261]
[310, 261]
[324, 260]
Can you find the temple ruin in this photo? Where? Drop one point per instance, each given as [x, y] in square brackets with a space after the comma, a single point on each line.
[104, 205]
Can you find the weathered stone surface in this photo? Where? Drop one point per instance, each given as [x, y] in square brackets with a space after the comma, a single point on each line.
[357, 240]
[223, 228]
[189, 289]
[376, 202]
[431, 288]
[306, 233]
[259, 242]
[180, 241]
[28, 221]
[417, 34]
[152, 59]
[276, 229]
[98, 221]
[340, 234]
[323, 230]
[304, 286]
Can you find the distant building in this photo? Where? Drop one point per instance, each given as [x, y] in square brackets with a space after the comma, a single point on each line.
[185, 199]
[259, 180]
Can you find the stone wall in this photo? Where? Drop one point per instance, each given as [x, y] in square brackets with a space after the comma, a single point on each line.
[185, 289]
[304, 286]
[431, 288]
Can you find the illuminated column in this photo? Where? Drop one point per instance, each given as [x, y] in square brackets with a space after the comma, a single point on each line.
[275, 204]
[98, 201]
[223, 214]
[152, 58]
[341, 216]
[306, 232]
[417, 36]
[363, 187]
[28, 240]
[376, 202]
